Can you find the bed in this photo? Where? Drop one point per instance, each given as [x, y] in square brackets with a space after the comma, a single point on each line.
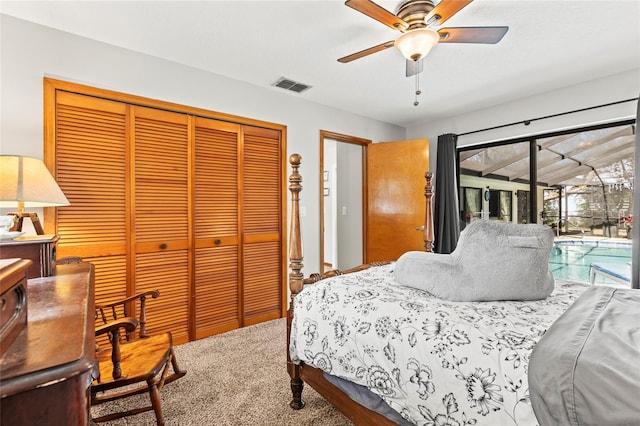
[387, 354]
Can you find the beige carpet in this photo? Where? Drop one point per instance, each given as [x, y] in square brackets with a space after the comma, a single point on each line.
[235, 378]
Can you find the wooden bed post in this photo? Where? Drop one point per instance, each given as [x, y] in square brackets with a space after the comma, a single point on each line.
[295, 275]
[295, 236]
[428, 219]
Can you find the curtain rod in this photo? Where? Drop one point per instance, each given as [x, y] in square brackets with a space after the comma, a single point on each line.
[527, 122]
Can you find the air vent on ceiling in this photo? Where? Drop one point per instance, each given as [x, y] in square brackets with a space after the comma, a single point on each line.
[291, 85]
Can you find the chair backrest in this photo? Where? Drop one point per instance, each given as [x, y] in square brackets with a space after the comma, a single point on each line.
[134, 306]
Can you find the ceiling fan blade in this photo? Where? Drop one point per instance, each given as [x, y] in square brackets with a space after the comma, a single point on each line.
[445, 10]
[366, 52]
[414, 67]
[484, 35]
[378, 13]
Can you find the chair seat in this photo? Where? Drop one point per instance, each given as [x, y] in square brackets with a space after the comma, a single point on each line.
[140, 360]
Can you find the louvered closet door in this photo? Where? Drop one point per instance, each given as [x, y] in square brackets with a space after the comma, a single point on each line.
[216, 210]
[90, 147]
[262, 227]
[161, 222]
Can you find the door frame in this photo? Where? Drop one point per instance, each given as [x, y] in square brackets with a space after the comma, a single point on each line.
[364, 143]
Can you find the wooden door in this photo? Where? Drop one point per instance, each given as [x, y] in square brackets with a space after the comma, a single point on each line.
[160, 210]
[89, 149]
[166, 199]
[395, 198]
[262, 226]
[217, 216]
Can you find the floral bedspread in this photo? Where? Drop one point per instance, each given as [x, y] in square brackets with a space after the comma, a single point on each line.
[435, 362]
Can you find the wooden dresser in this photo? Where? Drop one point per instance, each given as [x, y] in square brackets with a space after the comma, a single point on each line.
[47, 371]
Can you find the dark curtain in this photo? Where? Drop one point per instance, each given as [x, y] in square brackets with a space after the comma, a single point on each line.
[635, 229]
[446, 222]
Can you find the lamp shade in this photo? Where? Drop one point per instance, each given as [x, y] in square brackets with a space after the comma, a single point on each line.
[416, 44]
[26, 182]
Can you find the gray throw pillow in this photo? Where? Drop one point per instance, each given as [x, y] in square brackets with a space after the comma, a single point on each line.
[493, 261]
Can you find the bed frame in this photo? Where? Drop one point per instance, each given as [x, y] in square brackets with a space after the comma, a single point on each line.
[302, 373]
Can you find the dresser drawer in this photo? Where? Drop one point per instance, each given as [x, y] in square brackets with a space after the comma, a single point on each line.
[13, 299]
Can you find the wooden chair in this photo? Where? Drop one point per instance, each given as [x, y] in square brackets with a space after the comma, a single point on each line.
[132, 362]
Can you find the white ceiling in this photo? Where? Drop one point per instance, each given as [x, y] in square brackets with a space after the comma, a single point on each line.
[550, 44]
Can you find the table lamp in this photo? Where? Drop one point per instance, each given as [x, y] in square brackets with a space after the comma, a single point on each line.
[26, 182]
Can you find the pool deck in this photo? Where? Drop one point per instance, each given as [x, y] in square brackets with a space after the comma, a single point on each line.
[592, 238]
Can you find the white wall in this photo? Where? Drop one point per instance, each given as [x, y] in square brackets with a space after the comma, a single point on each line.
[616, 87]
[349, 206]
[330, 205]
[30, 52]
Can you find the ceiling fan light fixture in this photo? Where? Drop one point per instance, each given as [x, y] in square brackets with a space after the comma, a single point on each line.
[416, 44]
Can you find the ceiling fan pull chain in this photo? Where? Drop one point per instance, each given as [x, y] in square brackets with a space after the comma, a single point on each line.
[418, 91]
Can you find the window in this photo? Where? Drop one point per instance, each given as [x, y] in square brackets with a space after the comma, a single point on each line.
[500, 204]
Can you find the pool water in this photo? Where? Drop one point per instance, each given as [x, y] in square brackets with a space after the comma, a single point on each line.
[570, 260]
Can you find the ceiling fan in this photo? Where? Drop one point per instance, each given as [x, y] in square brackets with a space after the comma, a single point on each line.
[414, 19]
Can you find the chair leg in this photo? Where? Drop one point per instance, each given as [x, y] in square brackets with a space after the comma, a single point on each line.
[177, 371]
[155, 401]
[176, 368]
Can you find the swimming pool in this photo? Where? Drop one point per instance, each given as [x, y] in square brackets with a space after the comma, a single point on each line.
[570, 260]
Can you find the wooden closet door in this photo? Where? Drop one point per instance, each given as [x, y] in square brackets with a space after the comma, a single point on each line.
[171, 201]
[216, 212]
[262, 262]
[90, 136]
[161, 202]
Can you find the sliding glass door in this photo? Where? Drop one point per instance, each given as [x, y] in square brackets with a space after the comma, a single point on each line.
[576, 181]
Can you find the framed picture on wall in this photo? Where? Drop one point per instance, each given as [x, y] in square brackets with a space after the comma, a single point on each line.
[326, 175]
[326, 192]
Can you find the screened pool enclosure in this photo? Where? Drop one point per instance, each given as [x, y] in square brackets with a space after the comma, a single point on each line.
[581, 181]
